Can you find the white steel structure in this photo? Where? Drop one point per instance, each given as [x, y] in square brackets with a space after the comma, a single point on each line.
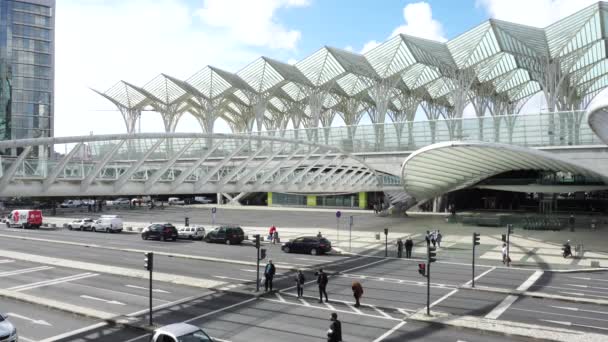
[597, 117]
[179, 163]
[496, 66]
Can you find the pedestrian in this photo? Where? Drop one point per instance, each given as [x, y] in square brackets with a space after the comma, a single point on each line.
[275, 237]
[319, 234]
[409, 244]
[438, 239]
[434, 237]
[427, 237]
[357, 292]
[269, 272]
[322, 282]
[376, 209]
[505, 256]
[571, 221]
[399, 248]
[334, 334]
[300, 283]
[271, 232]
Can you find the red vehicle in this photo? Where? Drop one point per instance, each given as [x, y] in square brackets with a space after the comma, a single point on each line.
[25, 218]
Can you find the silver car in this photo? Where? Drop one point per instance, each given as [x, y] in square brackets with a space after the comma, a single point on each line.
[191, 232]
[180, 332]
[8, 332]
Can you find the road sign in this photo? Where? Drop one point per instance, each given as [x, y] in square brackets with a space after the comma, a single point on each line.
[338, 214]
[213, 210]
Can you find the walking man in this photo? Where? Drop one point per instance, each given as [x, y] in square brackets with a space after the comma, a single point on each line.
[427, 237]
[269, 272]
[505, 256]
[434, 237]
[322, 282]
[399, 248]
[571, 222]
[300, 280]
[409, 244]
[357, 292]
[438, 239]
[334, 334]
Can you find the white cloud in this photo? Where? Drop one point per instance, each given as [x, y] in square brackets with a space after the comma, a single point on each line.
[349, 48]
[252, 22]
[99, 42]
[419, 22]
[292, 61]
[539, 13]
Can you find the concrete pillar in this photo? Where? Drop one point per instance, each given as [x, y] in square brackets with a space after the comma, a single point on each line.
[363, 200]
[219, 198]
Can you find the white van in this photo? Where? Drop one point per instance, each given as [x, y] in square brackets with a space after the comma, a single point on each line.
[175, 201]
[108, 224]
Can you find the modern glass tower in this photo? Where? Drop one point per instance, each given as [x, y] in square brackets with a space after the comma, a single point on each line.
[27, 46]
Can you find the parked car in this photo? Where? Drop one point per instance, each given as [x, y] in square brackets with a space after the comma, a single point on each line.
[191, 232]
[307, 244]
[180, 332]
[82, 224]
[119, 202]
[8, 332]
[175, 201]
[230, 235]
[108, 224]
[160, 231]
[72, 204]
[202, 200]
[24, 218]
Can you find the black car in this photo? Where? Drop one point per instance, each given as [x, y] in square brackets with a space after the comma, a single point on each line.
[160, 231]
[230, 235]
[307, 244]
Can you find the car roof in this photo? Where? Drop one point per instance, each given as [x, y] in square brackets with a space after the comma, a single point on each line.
[178, 329]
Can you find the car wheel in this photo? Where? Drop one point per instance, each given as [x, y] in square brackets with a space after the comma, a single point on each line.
[228, 242]
[286, 250]
[190, 237]
[70, 227]
[313, 251]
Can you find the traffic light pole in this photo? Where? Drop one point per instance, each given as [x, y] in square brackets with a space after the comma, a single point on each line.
[150, 296]
[149, 265]
[257, 248]
[428, 282]
[508, 244]
[473, 263]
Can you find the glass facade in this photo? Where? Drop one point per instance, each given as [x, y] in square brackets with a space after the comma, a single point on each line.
[334, 201]
[26, 68]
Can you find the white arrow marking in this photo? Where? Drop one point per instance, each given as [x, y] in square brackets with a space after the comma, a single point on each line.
[573, 324]
[577, 309]
[35, 321]
[145, 288]
[588, 287]
[588, 279]
[582, 294]
[102, 300]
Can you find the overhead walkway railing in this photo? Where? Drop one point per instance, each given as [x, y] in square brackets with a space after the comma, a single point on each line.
[530, 130]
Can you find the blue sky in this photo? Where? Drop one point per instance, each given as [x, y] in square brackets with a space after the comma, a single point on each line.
[100, 42]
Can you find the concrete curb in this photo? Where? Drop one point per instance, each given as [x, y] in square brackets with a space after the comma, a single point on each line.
[582, 270]
[507, 328]
[535, 294]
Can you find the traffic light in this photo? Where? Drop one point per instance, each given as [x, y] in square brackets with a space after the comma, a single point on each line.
[257, 240]
[504, 237]
[422, 269]
[475, 239]
[149, 261]
[385, 231]
[262, 253]
[510, 228]
[432, 254]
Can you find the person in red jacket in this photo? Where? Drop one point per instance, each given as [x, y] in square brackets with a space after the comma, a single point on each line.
[357, 292]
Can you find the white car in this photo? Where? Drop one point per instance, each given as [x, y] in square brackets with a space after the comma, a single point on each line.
[119, 202]
[175, 201]
[108, 224]
[179, 332]
[71, 204]
[191, 232]
[82, 224]
[8, 332]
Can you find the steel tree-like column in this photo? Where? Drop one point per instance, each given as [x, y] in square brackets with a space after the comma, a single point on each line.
[381, 91]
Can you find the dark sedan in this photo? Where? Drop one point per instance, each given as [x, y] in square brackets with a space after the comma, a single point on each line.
[307, 244]
[160, 231]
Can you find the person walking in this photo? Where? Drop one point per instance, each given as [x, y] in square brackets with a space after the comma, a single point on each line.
[319, 235]
[434, 237]
[269, 272]
[427, 237]
[438, 238]
[334, 334]
[399, 248]
[275, 237]
[300, 280]
[571, 221]
[357, 292]
[322, 282]
[271, 232]
[505, 255]
[409, 245]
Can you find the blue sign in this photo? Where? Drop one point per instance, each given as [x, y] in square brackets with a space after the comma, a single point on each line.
[338, 214]
[213, 210]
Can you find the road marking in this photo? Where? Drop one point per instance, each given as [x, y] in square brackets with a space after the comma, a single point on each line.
[381, 312]
[589, 279]
[331, 307]
[577, 309]
[582, 294]
[443, 298]
[280, 297]
[510, 299]
[52, 282]
[237, 279]
[6, 261]
[530, 281]
[588, 287]
[222, 309]
[390, 332]
[32, 320]
[102, 300]
[558, 314]
[352, 307]
[73, 332]
[27, 270]
[147, 289]
[253, 271]
[327, 309]
[22, 338]
[394, 280]
[304, 302]
[479, 276]
[573, 324]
